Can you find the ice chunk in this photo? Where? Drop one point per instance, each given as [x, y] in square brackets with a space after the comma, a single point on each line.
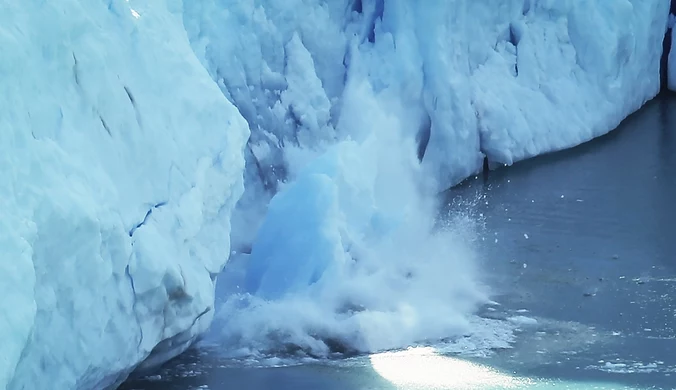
[305, 97]
[298, 240]
[523, 320]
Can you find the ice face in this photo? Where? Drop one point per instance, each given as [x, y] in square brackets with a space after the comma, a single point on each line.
[451, 82]
[476, 79]
[121, 161]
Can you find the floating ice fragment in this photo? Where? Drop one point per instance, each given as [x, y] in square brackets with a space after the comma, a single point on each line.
[522, 320]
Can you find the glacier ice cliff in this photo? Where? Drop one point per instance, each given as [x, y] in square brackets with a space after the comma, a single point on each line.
[121, 161]
[130, 127]
[453, 83]
[477, 79]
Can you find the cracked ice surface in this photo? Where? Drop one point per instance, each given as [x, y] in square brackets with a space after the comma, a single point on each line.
[121, 161]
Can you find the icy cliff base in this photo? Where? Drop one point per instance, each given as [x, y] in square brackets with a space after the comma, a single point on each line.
[120, 161]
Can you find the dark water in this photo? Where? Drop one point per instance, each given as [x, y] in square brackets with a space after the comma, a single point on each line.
[582, 240]
[601, 249]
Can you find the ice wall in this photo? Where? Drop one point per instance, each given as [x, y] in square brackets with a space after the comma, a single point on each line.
[504, 81]
[120, 161]
[466, 80]
[521, 78]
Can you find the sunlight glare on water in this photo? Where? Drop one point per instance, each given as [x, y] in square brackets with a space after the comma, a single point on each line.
[424, 368]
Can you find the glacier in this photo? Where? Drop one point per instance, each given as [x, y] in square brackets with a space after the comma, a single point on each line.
[121, 162]
[481, 80]
[140, 139]
[455, 83]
